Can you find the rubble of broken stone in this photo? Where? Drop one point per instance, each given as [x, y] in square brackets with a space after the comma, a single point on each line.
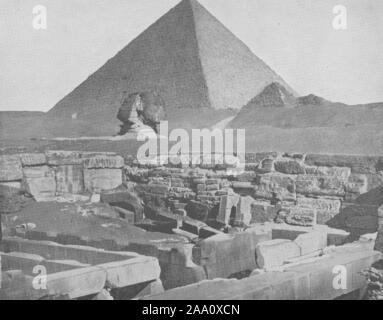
[374, 290]
[220, 214]
[297, 189]
[374, 275]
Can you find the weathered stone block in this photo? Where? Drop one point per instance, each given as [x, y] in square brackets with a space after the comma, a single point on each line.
[41, 188]
[201, 187]
[297, 216]
[311, 241]
[191, 225]
[358, 164]
[38, 172]
[70, 179]
[320, 185]
[325, 208]
[243, 215]
[311, 280]
[33, 159]
[11, 184]
[160, 189]
[242, 185]
[198, 181]
[266, 165]
[262, 211]
[325, 204]
[274, 253]
[380, 212]
[128, 215]
[57, 158]
[247, 176]
[357, 183]
[178, 183]
[336, 237]
[379, 239]
[178, 268]
[212, 187]
[298, 156]
[340, 173]
[212, 181]
[125, 200]
[228, 208]
[225, 255]
[302, 217]
[102, 179]
[375, 181]
[289, 167]
[197, 210]
[275, 186]
[10, 168]
[103, 162]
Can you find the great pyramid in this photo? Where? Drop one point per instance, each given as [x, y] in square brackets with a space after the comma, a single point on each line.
[187, 56]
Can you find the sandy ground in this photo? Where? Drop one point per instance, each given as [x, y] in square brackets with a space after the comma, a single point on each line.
[63, 218]
[223, 124]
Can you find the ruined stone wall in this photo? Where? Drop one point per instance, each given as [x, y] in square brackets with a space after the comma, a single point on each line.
[49, 175]
[339, 190]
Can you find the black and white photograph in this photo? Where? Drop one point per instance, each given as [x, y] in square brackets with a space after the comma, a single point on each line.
[191, 150]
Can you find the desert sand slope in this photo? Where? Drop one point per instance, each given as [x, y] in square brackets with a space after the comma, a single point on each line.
[276, 120]
[20, 125]
[365, 140]
[275, 106]
[310, 116]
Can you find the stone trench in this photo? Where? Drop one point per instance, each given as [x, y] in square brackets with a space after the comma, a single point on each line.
[285, 222]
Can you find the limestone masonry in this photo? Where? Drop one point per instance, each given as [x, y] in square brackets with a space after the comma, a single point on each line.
[338, 190]
[284, 209]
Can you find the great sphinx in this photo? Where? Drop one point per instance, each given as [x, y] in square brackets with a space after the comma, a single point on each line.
[141, 110]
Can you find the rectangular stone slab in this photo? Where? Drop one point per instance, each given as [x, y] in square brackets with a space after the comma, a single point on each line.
[77, 283]
[70, 179]
[54, 251]
[122, 268]
[130, 272]
[311, 281]
[102, 179]
[10, 168]
[27, 262]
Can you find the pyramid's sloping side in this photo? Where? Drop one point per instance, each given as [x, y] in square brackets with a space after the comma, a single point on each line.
[234, 74]
[165, 58]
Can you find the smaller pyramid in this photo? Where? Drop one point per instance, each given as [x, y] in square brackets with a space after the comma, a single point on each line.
[274, 95]
[312, 100]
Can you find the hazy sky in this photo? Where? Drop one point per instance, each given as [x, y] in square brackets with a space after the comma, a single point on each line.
[294, 37]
